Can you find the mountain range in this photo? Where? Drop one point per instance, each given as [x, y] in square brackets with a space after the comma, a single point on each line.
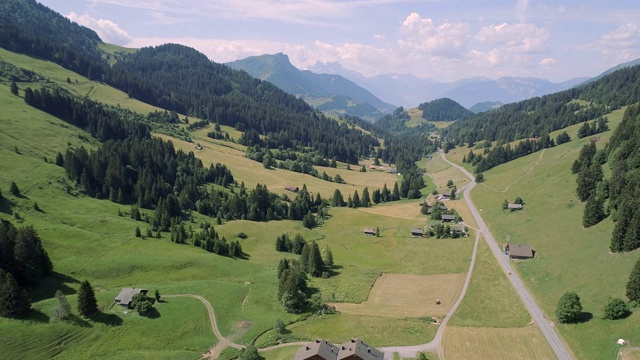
[329, 93]
[409, 90]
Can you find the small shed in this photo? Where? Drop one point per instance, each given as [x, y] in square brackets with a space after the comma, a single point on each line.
[434, 223]
[520, 251]
[294, 189]
[459, 229]
[319, 349]
[448, 218]
[393, 171]
[622, 342]
[417, 232]
[446, 195]
[369, 232]
[126, 295]
[514, 207]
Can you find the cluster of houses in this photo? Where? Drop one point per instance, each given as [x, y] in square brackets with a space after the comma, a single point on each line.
[354, 349]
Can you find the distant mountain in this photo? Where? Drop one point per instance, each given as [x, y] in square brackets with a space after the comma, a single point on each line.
[485, 106]
[328, 92]
[443, 109]
[409, 90]
[615, 68]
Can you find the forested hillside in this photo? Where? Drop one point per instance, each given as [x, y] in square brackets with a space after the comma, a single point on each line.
[443, 109]
[179, 78]
[31, 28]
[534, 117]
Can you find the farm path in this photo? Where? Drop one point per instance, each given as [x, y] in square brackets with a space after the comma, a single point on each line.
[222, 341]
[514, 181]
[548, 330]
[435, 345]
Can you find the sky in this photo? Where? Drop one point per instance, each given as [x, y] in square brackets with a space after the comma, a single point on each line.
[445, 40]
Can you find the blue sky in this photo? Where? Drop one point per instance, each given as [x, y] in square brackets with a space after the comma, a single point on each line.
[445, 40]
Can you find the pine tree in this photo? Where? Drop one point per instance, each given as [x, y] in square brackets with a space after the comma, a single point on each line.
[304, 257]
[87, 303]
[316, 264]
[395, 195]
[327, 256]
[366, 200]
[13, 300]
[309, 221]
[594, 211]
[633, 285]
[157, 295]
[62, 311]
[356, 200]
[13, 188]
[14, 88]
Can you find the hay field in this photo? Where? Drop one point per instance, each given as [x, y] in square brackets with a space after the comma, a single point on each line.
[405, 296]
[462, 343]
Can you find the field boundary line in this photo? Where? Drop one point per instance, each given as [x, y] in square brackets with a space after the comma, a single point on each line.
[519, 178]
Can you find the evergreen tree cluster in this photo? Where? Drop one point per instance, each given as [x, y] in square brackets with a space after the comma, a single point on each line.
[101, 121]
[22, 255]
[23, 263]
[292, 286]
[207, 239]
[443, 109]
[597, 126]
[311, 259]
[624, 184]
[284, 243]
[591, 185]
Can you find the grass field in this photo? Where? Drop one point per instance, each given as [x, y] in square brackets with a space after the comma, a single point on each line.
[407, 296]
[86, 239]
[490, 300]
[568, 257]
[377, 331]
[494, 344]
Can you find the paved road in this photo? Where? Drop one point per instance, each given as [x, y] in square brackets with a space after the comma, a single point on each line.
[549, 331]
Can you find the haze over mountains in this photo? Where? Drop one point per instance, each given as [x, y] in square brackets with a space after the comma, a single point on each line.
[409, 90]
[328, 92]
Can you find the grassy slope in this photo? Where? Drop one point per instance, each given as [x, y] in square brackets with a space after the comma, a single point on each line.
[569, 257]
[86, 239]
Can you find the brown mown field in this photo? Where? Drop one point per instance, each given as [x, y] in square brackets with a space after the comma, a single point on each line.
[408, 296]
[524, 343]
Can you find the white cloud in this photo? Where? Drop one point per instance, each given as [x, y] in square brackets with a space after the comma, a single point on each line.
[521, 9]
[617, 46]
[519, 37]
[108, 31]
[547, 61]
[422, 34]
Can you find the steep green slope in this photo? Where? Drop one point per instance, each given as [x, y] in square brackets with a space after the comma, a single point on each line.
[443, 110]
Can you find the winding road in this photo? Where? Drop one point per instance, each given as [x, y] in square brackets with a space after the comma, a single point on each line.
[549, 331]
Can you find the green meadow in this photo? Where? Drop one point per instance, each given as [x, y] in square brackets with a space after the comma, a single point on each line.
[88, 240]
[568, 256]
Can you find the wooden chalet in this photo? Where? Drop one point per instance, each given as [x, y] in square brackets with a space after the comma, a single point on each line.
[448, 218]
[319, 349]
[446, 195]
[417, 232]
[520, 251]
[356, 349]
[125, 297]
[369, 232]
[294, 189]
